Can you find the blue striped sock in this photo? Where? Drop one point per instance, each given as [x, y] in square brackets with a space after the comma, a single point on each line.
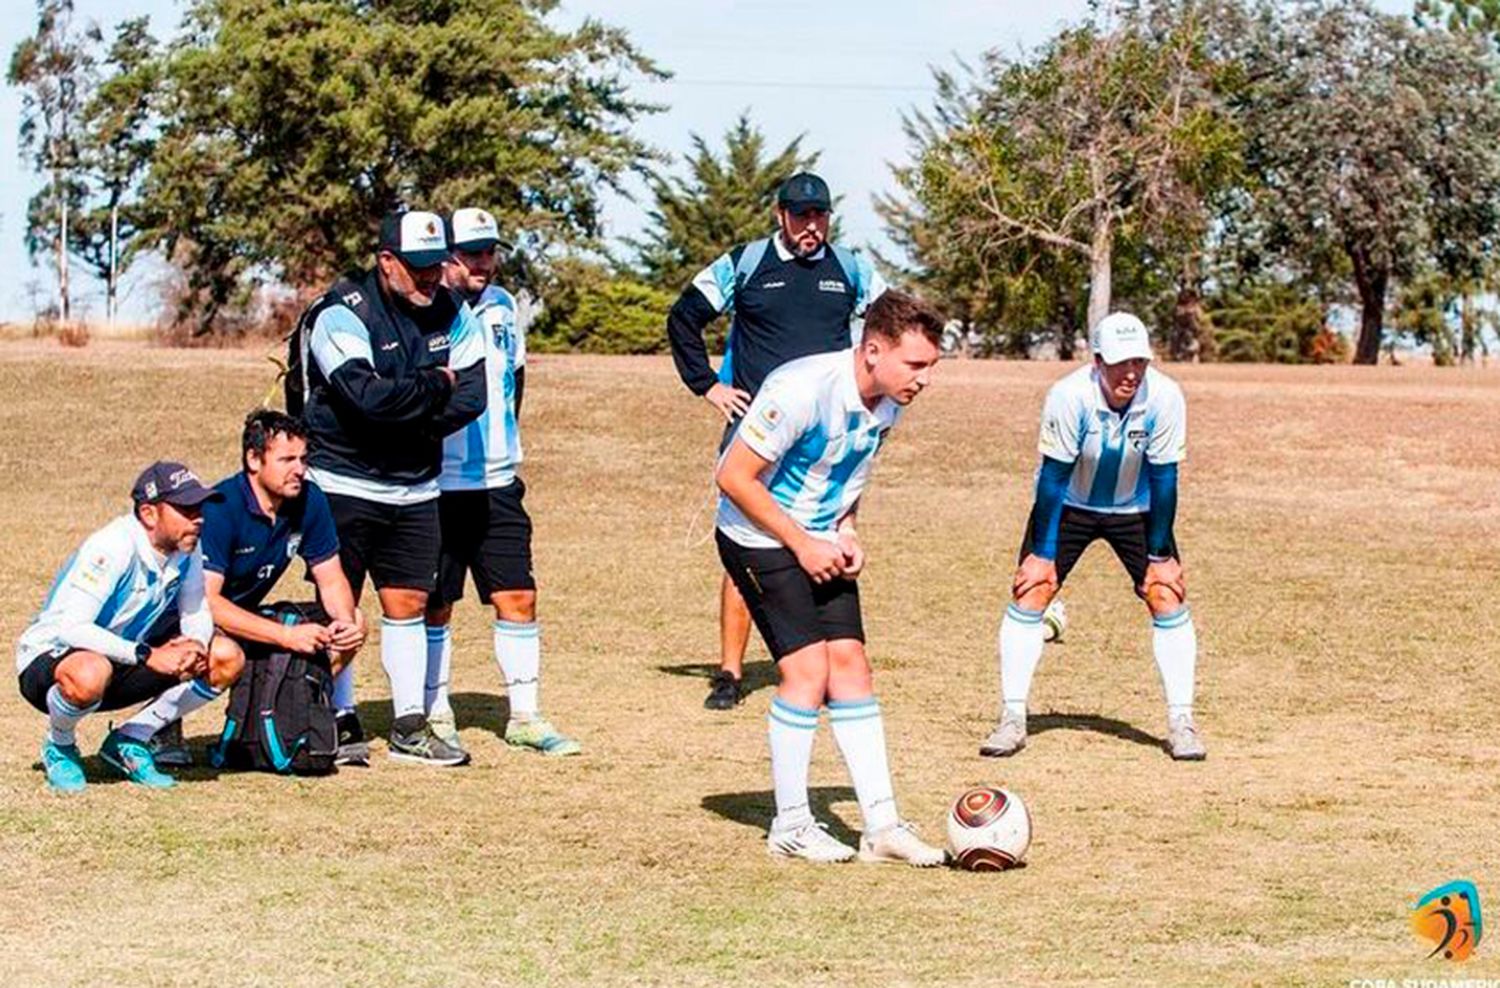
[792, 730]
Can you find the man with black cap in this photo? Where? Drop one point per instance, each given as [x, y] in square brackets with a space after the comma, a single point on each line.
[106, 637]
[394, 363]
[486, 530]
[792, 294]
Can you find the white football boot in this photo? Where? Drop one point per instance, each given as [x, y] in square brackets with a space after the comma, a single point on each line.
[899, 844]
[810, 840]
[1008, 737]
[1183, 742]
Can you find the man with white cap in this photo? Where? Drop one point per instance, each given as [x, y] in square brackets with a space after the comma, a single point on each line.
[394, 362]
[1112, 435]
[486, 530]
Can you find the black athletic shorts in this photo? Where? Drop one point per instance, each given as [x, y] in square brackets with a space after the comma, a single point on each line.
[396, 544]
[129, 685]
[486, 533]
[790, 610]
[1126, 535]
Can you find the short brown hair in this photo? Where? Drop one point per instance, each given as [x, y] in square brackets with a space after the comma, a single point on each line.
[894, 313]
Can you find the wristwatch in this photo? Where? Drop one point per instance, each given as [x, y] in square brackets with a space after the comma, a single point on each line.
[142, 653]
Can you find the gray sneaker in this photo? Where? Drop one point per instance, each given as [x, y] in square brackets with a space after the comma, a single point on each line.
[415, 743]
[1183, 742]
[169, 749]
[1008, 737]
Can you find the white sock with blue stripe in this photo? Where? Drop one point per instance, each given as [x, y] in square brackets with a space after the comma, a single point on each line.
[439, 670]
[518, 649]
[63, 717]
[792, 730]
[403, 653]
[343, 690]
[860, 732]
[1021, 635]
[1176, 646]
[177, 702]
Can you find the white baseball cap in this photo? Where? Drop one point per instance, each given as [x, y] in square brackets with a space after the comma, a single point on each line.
[473, 229]
[1120, 336]
[416, 237]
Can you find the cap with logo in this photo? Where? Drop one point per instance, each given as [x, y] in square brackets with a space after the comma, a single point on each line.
[173, 483]
[1120, 336]
[802, 192]
[471, 229]
[417, 237]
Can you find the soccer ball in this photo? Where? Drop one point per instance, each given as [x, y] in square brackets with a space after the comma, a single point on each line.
[1054, 620]
[989, 829]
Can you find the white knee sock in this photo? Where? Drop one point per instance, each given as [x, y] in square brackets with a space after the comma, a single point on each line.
[343, 690]
[439, 669]
[63, 717]
[1021, 634]
[1176, 646]
[860, 732]
[792, 731]
[403, 652]
[176, 702]
[518, 649]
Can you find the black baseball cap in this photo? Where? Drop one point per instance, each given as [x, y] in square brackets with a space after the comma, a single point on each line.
[804, 191]
[417, 237]
[173, 483]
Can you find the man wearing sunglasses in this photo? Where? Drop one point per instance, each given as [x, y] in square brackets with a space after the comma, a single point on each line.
[395, 362]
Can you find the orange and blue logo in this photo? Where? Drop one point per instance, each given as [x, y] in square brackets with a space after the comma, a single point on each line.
[1449, 917]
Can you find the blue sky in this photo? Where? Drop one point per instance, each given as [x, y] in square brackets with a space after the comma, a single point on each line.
[840, 72]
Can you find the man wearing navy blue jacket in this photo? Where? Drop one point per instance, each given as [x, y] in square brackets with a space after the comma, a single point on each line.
[394, 363]
[792, 295]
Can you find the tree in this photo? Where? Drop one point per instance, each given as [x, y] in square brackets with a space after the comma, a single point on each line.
[1375, 144]
[55, 70]
[290, 126]
[721, 201]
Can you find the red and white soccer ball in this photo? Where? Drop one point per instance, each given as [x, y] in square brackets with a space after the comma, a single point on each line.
[989, 829]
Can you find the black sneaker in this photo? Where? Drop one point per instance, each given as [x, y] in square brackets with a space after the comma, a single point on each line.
[725, 693]
[353, 748]
[169, 749]
[412, 741]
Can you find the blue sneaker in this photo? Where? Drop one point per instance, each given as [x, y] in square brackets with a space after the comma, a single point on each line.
[64, 767]
[134, 761]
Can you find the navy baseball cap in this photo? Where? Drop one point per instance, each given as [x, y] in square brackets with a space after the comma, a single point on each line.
[416, 236]
[173, 483]
[804, 191]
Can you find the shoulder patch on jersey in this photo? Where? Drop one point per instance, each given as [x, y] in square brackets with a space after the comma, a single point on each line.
[771, 414]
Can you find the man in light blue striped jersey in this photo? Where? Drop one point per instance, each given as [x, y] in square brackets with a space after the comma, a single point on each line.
[1112, 435]
[485, 528]
[791, 482]
[127, 622]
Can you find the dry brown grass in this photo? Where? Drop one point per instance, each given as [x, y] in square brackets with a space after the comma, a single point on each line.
[1340, 528]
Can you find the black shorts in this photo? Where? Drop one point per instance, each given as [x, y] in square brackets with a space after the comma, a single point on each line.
[396, 544]
[790, 610]
[1126, 535]
[129, 685]
[486, 533]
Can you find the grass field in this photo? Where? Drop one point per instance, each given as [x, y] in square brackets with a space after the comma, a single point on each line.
[1339, 527]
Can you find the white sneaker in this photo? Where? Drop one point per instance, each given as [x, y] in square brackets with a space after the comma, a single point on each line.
[900, 844]
[811, 841]
[1183, 742]
[445, 727]
[1008, 737]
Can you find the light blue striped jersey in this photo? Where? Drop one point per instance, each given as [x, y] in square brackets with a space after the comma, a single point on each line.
[1108, 448]
[809, 421]
[109, 593]
[486, 452]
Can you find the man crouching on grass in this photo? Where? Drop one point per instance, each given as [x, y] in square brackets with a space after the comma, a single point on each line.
[791, 483]
[105, 638]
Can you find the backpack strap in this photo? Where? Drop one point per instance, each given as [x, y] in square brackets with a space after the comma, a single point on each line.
[749, 260]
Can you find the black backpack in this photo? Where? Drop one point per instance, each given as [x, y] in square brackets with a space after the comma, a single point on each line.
[280, 716]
